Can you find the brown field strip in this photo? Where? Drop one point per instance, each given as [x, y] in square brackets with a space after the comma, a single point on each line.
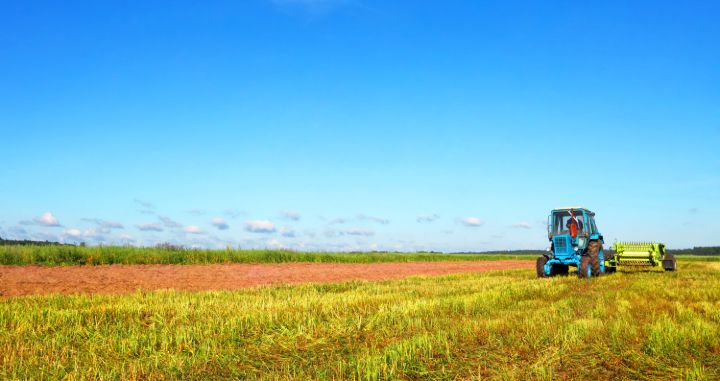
[119, 279]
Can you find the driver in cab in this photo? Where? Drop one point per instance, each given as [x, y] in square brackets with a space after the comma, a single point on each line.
[574, 225]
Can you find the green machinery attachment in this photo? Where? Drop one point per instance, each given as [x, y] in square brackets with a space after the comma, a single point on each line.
[642, 254]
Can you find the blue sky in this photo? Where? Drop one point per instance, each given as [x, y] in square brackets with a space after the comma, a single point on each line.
[358, 125]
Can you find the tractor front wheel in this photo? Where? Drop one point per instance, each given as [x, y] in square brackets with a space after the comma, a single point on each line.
[540, 267]
[583, 269]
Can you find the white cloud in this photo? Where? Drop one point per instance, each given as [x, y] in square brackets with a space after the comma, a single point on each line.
[105, 224]
[169, 223]
[330, 233]
[358, 232]
[111, 225]
[193, 229]
[18, 232]
[75, 233]
[95, 233]
[338, 221]
[472, 221]
[380, 220]
[220, 223]
[233, 213]
[274, 244]
[287, 231]
[46, 219]
[149, 227]
[291, 215]
[522, 225]
[41, 236]
[197, 212]
[127, 239]
[144, 204]
[259, 226]
[427, 217]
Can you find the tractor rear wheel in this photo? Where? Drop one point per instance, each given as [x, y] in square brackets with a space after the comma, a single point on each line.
[540, 267]
[669, 263]
[593, 251]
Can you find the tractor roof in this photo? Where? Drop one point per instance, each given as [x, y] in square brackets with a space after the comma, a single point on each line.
[574, 208]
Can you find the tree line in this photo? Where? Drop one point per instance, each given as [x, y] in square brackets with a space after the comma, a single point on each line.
[27, 242]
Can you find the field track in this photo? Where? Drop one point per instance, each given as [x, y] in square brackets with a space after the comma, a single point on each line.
[120, 279]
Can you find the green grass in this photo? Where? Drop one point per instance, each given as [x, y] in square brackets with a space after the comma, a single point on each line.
[107, 255]
[698, 258]
[640, 324]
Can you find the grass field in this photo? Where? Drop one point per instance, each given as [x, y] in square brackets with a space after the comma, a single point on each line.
[107, 255]
[499, 325]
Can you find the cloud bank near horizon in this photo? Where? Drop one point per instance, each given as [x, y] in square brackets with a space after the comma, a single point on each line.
[340, 233]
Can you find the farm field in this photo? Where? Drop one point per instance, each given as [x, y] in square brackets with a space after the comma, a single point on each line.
[24, 280]
[503, 324]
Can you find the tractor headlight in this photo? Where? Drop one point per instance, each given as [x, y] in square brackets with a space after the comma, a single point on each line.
[581, 241]
[550, 253]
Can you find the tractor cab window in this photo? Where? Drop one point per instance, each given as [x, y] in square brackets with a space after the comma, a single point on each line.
[592, 226]
[561, 219]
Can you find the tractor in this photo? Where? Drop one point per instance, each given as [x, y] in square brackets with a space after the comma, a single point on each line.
[574, 242]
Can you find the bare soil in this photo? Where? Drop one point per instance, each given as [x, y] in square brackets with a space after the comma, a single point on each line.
[120, 279]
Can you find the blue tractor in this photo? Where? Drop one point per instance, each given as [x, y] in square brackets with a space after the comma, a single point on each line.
[574, 242]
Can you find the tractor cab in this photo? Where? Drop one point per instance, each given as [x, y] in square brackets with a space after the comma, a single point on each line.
[559, 222]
